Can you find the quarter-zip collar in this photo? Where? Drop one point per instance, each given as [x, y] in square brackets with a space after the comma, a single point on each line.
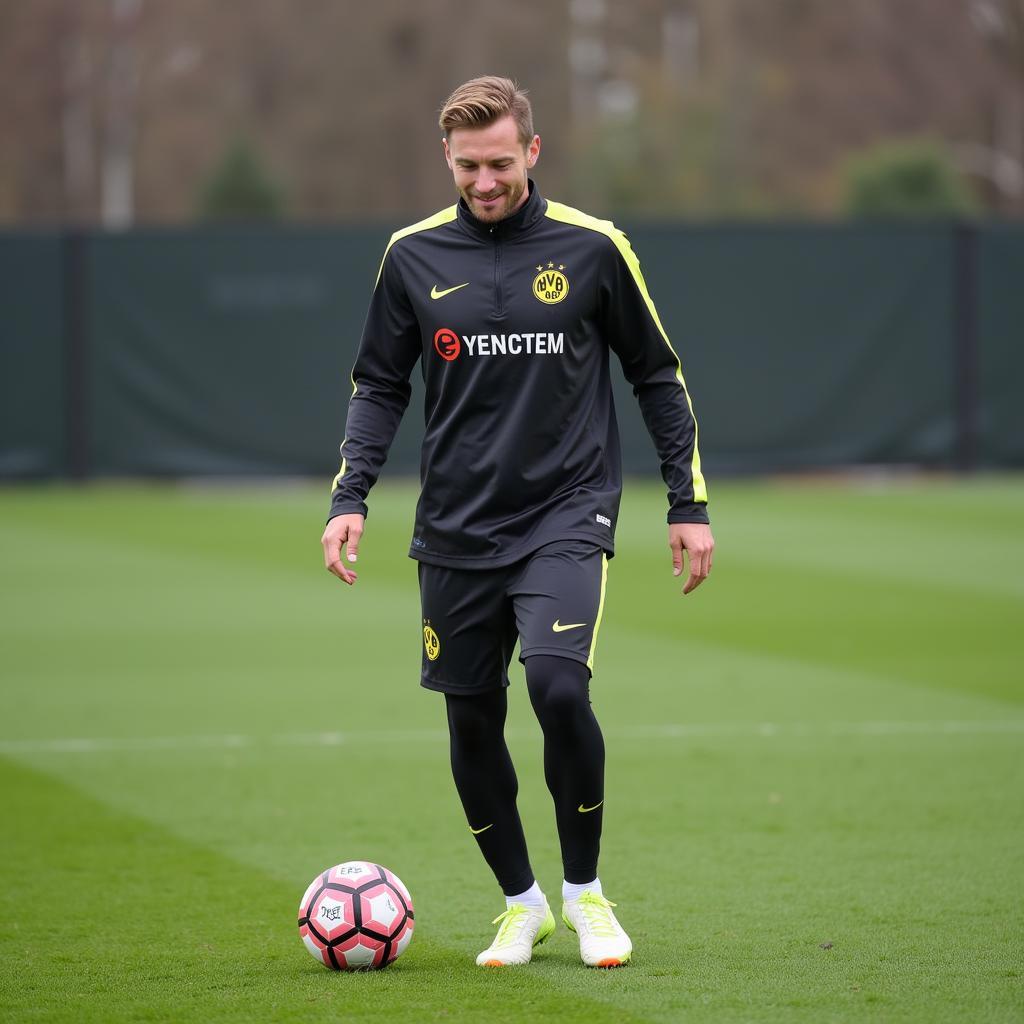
[519, 223]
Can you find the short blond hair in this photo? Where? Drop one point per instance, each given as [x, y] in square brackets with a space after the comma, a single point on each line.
[482, 101]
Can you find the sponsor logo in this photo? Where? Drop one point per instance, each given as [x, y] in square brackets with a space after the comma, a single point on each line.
[331, 913]
[531, 344]
[447, 344]
[431, 642]
[550, 285]
[603, 520]
[436, 294]
[587, 810]
[557, 627]
[477, 831]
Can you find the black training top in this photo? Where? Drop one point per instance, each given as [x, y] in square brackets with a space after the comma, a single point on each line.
[514, 321]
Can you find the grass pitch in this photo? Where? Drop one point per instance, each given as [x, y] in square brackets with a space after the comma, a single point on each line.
[814, 802]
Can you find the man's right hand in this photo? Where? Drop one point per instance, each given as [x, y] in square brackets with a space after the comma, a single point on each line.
[342, 530]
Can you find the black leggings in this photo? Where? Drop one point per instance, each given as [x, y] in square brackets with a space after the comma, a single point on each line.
[573, 768]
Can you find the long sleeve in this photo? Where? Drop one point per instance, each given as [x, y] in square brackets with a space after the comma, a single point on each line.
[388, 350]
[651, 365]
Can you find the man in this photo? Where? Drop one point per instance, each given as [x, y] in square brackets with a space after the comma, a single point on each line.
[513, 304]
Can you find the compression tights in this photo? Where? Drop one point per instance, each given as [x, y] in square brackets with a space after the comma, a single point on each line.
[573, 768]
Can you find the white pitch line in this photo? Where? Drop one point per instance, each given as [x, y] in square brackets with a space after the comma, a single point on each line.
[967, 727]
[695, 731]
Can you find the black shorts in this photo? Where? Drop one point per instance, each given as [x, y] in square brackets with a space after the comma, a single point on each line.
[553, 600]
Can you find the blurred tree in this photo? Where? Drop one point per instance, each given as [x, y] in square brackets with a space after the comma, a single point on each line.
[115, 110]
[906, 178]
[997, 157]
[669, 154]
[241, 187]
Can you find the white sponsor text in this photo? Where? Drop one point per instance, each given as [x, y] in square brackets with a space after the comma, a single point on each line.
[531, 344]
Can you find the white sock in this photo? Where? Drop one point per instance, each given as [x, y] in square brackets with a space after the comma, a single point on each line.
[572, 891]
[533, 897]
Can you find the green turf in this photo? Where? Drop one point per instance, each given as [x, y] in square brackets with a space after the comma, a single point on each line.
[821, 746]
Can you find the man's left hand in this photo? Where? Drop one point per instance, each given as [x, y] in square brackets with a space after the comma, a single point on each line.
[696, 540]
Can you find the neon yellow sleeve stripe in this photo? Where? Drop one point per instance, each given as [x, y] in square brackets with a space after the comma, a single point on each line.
[567, 215]
[600, 611]
[445, 216]
[344, 462]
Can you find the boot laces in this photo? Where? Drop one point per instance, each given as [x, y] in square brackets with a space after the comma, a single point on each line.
[513, 918]
[597, 913]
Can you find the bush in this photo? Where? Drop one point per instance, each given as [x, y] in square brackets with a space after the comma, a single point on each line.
[240, 187]
[913, 178]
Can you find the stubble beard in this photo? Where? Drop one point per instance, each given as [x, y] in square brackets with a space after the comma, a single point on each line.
[513, 195]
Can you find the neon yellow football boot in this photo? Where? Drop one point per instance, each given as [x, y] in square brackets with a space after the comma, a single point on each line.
[603, 943]
[521, 929]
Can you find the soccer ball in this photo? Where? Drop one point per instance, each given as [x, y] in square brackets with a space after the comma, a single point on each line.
[356, 916]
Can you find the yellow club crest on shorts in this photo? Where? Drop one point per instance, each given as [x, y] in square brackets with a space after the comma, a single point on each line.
[431, 642]
[550, 285]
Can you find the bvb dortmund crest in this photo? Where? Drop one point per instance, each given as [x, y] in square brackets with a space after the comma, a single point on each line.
[550, 285]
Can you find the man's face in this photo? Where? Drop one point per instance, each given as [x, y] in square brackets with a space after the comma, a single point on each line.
[490, 166]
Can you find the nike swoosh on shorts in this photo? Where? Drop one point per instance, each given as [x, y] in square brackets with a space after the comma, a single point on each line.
[557, 627]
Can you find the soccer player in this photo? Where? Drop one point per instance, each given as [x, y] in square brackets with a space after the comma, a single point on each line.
[514, 304]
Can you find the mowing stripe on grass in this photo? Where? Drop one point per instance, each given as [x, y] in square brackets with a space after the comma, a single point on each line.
[725, 730]
[111, 918]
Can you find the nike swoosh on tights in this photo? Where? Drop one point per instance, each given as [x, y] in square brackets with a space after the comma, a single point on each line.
[559, 628]
[477, 831]
[587, 810]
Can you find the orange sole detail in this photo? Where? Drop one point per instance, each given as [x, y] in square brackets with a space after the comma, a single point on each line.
[495, 963]
[611, 961]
